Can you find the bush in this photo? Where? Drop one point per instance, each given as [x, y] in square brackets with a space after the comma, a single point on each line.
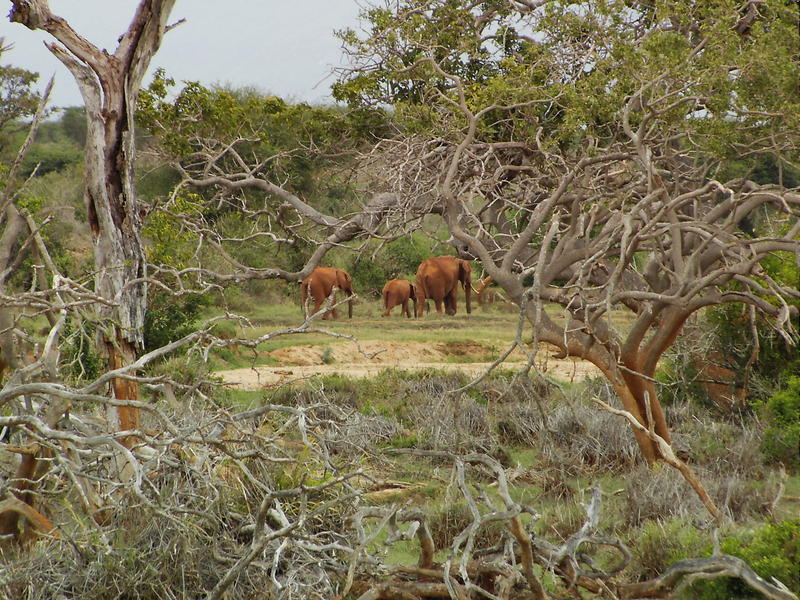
[368, 277]
[661, 543]
[781, 441]
[450, 520]
[81, 359]
[772, 551]
[169, 318]
[403, 255]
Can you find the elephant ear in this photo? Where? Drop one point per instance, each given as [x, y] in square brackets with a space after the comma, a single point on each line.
[412, 291]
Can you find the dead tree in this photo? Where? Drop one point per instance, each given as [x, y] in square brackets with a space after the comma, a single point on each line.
[109, 84]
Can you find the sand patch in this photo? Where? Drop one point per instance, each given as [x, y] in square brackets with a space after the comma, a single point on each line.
[370, 357]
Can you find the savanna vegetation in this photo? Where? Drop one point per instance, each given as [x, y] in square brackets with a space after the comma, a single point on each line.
[626, 173]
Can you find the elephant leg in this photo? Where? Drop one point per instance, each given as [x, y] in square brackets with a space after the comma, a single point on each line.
[318, 305]
[451, 302]
[438, 305]
[406, 312]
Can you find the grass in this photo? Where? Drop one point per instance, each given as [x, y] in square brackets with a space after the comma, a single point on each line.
[494, 330]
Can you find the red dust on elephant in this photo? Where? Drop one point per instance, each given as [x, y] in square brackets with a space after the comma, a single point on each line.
[438, 279]
[319, 285]
[399, 292]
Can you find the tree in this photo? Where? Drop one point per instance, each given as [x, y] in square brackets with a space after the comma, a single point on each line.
[584, 146]
[262, 182]
[17, 100]
[109, 84]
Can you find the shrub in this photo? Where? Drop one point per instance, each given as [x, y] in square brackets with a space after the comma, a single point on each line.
[450, 520]
[772, 551]
[661, 543]
[657, 495]
[403, 255]
[81, 360]
[368, 277]
[169, 318]
[781, 441]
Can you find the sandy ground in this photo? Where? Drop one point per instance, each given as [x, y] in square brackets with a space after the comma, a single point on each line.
[371, 357]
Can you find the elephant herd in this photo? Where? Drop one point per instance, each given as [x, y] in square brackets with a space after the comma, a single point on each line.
[437, 279]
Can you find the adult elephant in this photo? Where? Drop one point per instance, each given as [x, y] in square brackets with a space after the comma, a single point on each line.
[438, 279]
[398, 292]
[319, 285]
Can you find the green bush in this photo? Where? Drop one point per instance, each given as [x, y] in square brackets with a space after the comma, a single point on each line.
[781, 412]
[169, 318]
[368, 277]
[772, 551]
[403, 255]
[51, 156]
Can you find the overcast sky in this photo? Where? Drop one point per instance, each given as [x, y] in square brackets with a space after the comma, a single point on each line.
[284, 47]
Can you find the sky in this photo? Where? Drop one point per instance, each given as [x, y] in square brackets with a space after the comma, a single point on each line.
[281, 47]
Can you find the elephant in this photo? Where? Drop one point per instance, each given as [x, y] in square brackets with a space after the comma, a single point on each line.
[399, 292]
[319, 285]
[438, 279]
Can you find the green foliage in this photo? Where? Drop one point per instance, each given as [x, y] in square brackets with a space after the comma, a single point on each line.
[18, 101]
[772, 551]
[327, 356]
[47, 157]
[402, 256]
[368, 276]
[80, 358]
[505, 57]
[274, 129]
[169, 243]
[781, 412]
[157, 182]
[661, 543]
[73, 124]
[734, 337]
[170, 318]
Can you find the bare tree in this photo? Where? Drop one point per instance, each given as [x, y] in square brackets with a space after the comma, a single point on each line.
[109, 84]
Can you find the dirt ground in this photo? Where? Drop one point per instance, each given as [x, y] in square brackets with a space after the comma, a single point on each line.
[370, 357]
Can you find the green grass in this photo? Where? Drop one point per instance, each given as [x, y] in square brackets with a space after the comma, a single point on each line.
[492, 329]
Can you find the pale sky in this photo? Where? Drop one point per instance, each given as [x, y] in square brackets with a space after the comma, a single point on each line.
[283, 47]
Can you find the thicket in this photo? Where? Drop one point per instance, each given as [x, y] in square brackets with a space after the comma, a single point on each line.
[781, 415]
[553, 445]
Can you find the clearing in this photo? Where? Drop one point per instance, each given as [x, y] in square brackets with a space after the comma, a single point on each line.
[370, 357]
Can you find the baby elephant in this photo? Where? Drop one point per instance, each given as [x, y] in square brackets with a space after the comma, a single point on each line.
[399, 291]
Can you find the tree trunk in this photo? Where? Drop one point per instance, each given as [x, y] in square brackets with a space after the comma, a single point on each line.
[109, 84]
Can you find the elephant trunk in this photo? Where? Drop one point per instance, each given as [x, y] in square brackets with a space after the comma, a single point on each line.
[468, 294]
[350, 307]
